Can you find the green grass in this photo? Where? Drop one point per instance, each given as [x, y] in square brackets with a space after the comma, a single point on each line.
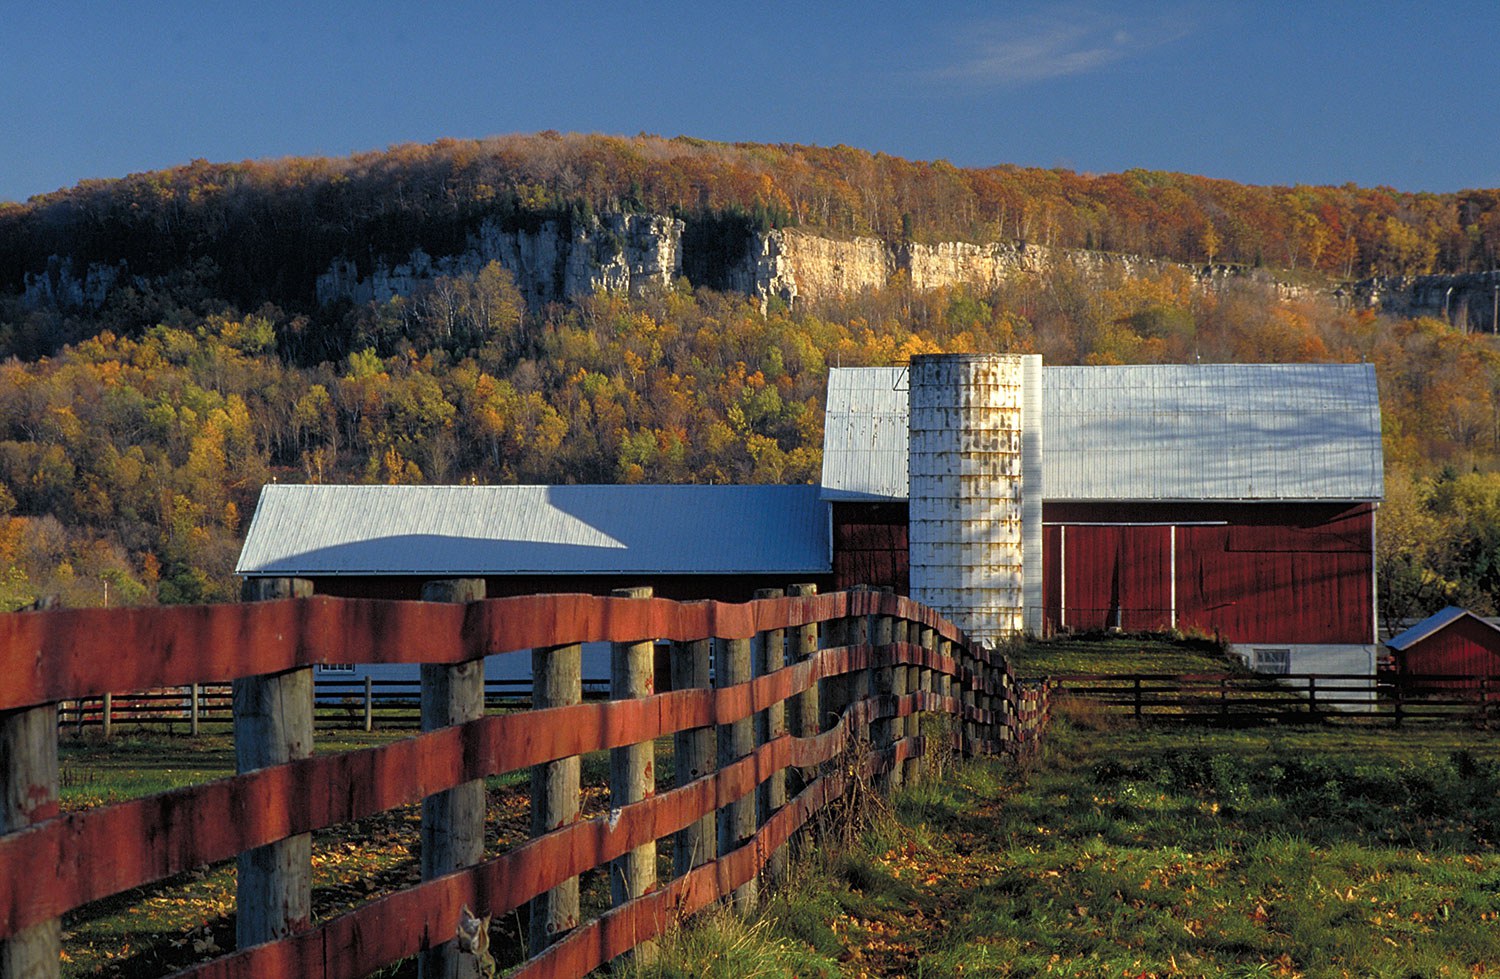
[1118, 654]
[1153, 852]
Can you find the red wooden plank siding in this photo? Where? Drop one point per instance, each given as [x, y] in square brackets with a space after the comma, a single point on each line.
[1465, 647]
[870, 546]
[1285, 573]
[1279, 582]
[1117, 576]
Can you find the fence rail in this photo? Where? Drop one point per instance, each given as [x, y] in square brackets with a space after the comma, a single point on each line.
[851, 668]
[1238, 698]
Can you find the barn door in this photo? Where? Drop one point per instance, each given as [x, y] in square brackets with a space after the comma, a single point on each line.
[1116, 576]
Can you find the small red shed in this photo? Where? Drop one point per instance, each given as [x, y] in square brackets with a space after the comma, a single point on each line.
[1454, 644]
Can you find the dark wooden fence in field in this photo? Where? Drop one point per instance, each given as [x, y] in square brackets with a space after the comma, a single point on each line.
[365, 704]
[1246, 699]
[777, 697]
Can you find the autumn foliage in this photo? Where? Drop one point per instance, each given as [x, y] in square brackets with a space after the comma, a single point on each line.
[134, 437]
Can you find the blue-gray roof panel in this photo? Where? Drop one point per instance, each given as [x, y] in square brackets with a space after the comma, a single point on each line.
[454, 530]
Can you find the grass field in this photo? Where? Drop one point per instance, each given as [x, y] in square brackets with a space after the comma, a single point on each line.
[1118, 654]
[1147, 852]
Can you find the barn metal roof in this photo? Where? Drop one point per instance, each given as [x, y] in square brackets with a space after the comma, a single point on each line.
[1432, 624]
[1171, 432]
[461, 530]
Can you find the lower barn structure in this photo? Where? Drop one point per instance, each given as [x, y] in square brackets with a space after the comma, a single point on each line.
[684, 542]
[1234, 501]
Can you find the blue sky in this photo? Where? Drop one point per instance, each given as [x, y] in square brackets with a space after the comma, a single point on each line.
[1372, 93]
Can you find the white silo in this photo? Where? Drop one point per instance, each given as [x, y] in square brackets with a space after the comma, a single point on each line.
[974, 463]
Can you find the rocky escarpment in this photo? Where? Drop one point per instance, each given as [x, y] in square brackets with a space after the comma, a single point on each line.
[612, 253]
[1469, 301]
[557, 259]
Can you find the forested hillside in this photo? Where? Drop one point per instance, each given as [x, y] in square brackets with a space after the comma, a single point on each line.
[135, 436]
[260, 231]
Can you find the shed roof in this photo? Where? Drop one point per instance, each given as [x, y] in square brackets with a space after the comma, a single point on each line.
[1168, 432]
[473, 530]
[1432, 625]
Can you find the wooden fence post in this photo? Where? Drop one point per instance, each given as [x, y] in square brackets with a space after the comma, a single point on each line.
[28, 794]
[833, 691]
[273, 724]
[926, 686]
[1312, 695]
[556, 681]
[107, 717]
[1138, 704]
[736, 740]
[802, 719]
[452, 820]
[968, 668]
[861, 682]
[693, 756]
[768, 654]
[903, 682]
[632, 769]
[883, 730]
[369, 704]
[195, 709]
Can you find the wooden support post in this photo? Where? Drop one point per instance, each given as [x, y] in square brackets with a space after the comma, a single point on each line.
[833, 691]
[556, 681]
[883, 730]
[195, 709]
[632, 769]
[768, 654]
[904, 682]
[802, 718]
[1312, 695]
[452, 820]
[273, 724]
[107, 717]
[968, 668]
[28, 794]
[737, 819]
[693, 753]
[860, 683]
[1138, 704]
[369, 704]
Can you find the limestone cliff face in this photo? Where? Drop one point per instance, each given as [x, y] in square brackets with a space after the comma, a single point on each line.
[557, 261]
[808, 267]
[1467, 301]
[614, 253]
[59, 285]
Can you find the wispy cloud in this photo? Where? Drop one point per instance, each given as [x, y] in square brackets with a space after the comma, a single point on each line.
[1066, 41]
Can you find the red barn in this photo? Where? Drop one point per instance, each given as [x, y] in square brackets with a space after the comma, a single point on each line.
[1231, 500]
[1455, 643]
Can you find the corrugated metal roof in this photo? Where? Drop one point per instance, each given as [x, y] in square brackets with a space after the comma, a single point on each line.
[864, 434]
[456, 530]
[1432, 624]
[1149, 432]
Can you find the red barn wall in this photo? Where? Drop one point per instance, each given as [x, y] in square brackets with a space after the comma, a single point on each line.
[870, 546]
[1289, 573]
[1465, 647]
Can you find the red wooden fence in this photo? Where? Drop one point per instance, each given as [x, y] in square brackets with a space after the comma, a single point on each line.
[51, 863]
